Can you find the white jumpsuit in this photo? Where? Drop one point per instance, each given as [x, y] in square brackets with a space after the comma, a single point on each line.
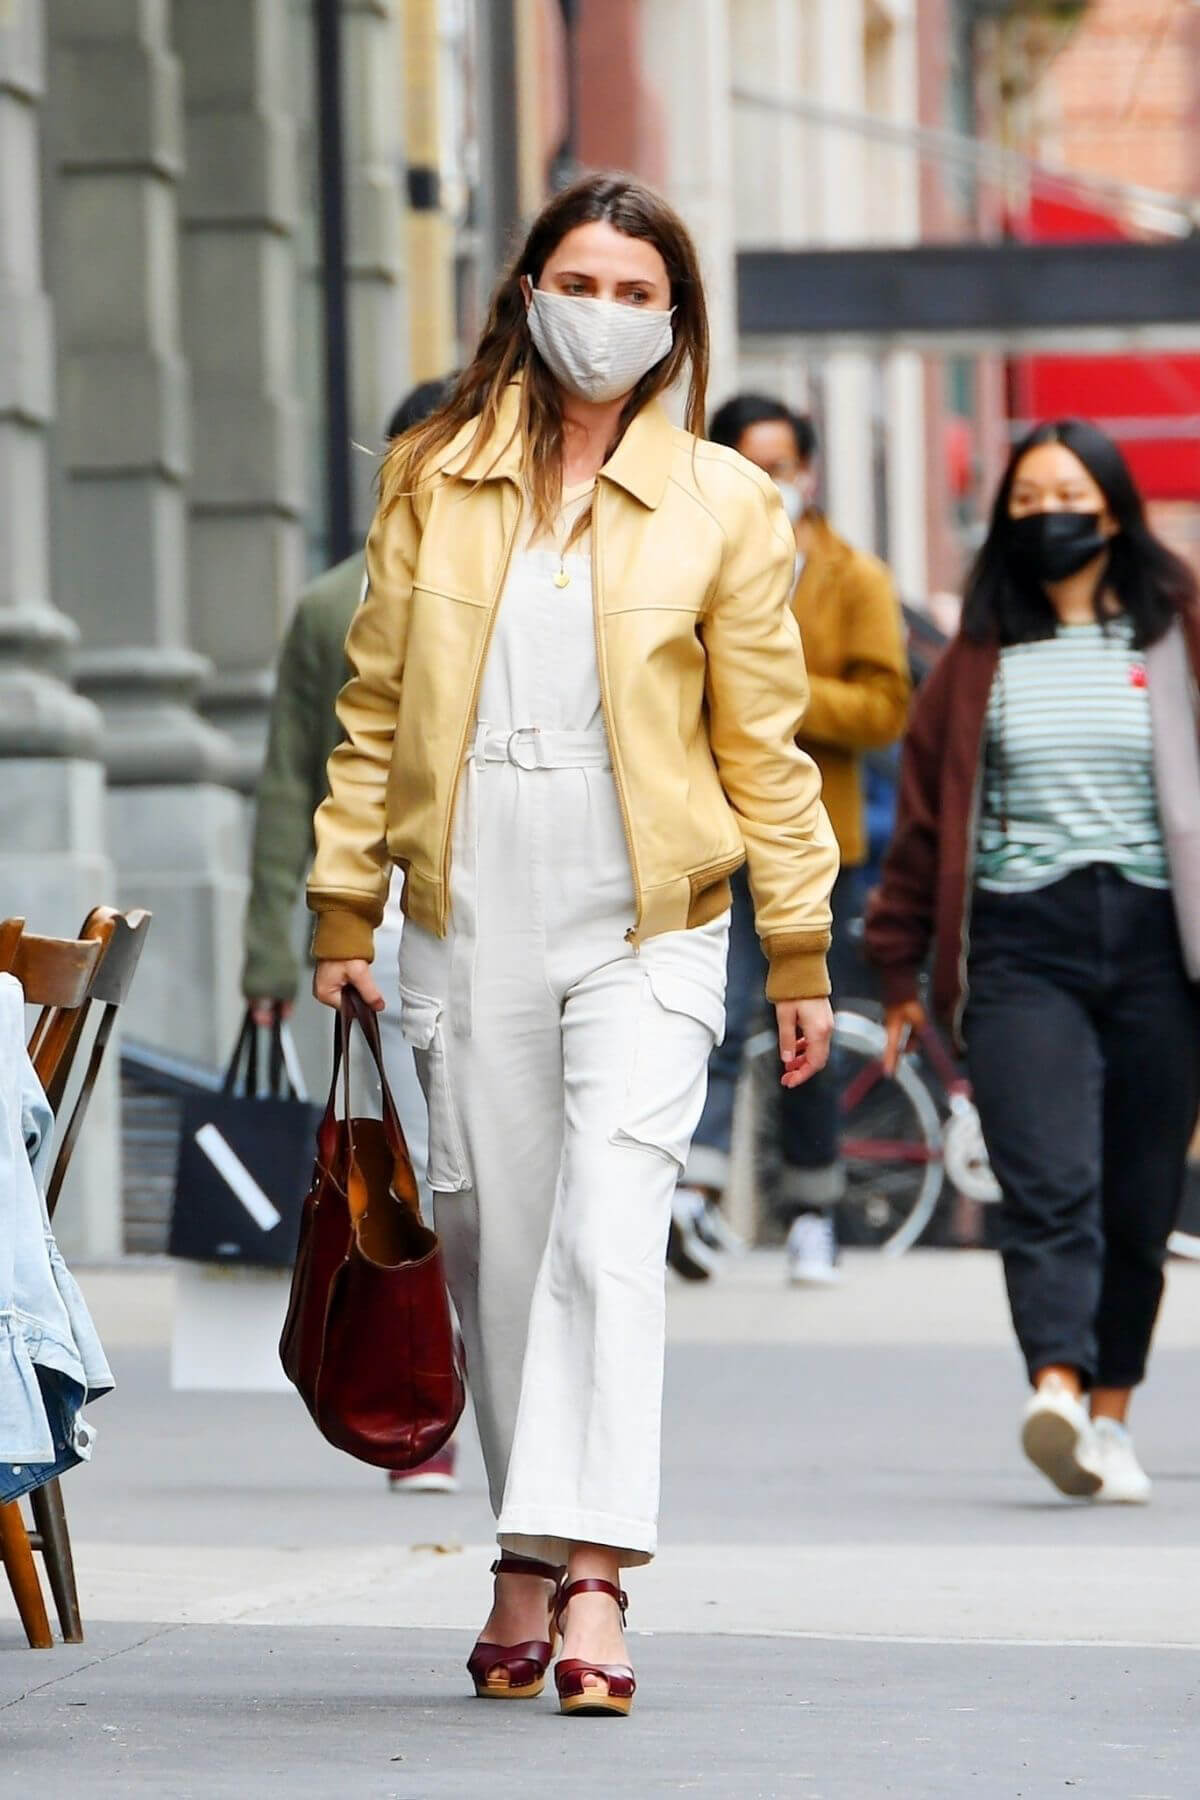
[565, 1073]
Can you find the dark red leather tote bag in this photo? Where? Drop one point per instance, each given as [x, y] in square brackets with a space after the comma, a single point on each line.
[368, 1340]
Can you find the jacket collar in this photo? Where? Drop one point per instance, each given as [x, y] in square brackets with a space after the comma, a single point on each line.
[499, 457]
[641, 462]
[826, 556]
[827, 545]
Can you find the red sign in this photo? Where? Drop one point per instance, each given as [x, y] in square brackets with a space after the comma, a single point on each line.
[1150, 404]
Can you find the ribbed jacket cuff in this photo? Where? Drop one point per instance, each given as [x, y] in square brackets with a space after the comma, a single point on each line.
[260, 984]
[342, 935]
[797, 971]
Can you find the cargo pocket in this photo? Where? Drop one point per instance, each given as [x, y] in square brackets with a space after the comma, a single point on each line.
[421, 1026]
[679, 1023]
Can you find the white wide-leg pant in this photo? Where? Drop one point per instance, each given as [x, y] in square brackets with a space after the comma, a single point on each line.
[397, 1051]
[565, 1073]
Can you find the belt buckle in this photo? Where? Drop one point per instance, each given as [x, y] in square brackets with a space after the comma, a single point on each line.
[525, 734]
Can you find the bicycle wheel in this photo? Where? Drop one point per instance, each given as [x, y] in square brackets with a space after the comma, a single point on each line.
[891, 1135]
[891, 1141]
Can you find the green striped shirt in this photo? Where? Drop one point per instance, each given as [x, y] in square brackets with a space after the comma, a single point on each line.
[1068, 774]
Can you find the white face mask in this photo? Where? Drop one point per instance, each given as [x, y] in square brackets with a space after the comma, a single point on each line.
[795, 500]
[597, 349]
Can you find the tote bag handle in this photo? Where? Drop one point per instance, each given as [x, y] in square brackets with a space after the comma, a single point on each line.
[354, 1011]
[285, 1079]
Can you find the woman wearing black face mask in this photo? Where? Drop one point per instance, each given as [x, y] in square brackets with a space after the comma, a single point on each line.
[1048, 848]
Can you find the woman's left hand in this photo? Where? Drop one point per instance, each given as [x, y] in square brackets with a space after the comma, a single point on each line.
[805, 1034]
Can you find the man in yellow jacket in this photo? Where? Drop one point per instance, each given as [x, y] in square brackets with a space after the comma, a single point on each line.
[851, 625]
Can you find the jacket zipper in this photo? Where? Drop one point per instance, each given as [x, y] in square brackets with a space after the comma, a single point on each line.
[469, 717]
[631, 936]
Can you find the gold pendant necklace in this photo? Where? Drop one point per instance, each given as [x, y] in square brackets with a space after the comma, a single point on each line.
[562, 575]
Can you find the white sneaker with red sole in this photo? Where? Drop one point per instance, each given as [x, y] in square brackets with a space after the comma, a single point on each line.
[437, 1476]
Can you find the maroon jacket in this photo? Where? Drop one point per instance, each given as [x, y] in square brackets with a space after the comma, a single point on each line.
[924, 896]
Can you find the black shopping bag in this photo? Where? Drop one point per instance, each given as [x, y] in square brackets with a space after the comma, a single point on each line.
[245, 1158]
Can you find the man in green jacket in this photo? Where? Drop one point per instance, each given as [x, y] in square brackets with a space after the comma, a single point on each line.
[304, 729]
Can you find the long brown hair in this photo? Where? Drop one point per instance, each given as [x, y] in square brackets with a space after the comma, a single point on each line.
[506, 348]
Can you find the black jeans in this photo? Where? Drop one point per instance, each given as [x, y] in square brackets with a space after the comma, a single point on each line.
[808, 1115]
[1083, 1046]
[812, 1177]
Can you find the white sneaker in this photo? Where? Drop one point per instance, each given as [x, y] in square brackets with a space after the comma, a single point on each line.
[714, 1229]
[1058, 1438]
[688, 1253]
[437, 1476]
[812, 1251]
[1123, 1481]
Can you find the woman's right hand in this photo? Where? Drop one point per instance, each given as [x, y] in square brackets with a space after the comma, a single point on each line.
[901, 1022]
[332, 974]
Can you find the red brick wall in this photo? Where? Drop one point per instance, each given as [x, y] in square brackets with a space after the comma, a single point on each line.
[1123, 102]
[620, 125]
[1123, 99]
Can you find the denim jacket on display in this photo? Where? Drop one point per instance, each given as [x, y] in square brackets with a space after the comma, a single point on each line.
[51, 1360]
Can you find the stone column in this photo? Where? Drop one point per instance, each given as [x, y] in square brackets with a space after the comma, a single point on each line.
[120, 521]
[772, 174]
[687, 55]
[375, 302]
[770, 148]
[895, 91]
[430, 240]
[53, 867]
[836, 74]
[246, 493]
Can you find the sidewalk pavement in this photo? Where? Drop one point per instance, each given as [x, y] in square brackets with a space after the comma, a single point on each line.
[862, 1589]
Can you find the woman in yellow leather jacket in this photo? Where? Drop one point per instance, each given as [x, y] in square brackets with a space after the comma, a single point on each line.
[577, 686]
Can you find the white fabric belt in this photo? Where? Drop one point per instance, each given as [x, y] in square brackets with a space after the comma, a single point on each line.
[531, 748]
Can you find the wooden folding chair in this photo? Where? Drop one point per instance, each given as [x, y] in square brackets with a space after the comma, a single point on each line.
[69, 978]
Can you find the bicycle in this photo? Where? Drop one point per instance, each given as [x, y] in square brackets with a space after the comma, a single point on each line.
[901, 1137]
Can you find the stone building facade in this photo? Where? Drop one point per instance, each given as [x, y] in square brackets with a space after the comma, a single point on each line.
[159, 412]
[163, 395]
[689, 93]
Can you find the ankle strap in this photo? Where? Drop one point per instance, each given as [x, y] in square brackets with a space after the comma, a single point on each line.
[509, 1564]
[591, 1585]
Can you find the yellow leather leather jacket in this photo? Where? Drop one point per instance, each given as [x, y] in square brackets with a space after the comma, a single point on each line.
[701, 672]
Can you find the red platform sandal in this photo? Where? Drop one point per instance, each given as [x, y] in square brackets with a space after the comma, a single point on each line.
[522, 1665]
[573, 1697]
